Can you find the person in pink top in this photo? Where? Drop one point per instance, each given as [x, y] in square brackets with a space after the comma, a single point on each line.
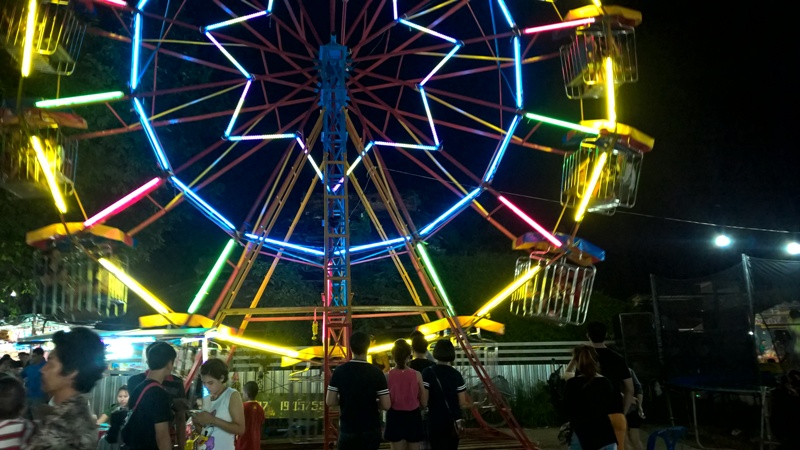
[409, 397]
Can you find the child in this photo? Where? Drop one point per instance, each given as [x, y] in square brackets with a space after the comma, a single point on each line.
[122, 403]
[14, 430]
[253, 419]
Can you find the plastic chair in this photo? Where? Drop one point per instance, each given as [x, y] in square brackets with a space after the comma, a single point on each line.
[670, 435]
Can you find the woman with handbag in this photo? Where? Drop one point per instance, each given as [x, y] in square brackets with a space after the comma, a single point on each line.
[447, 394]
[589, 398]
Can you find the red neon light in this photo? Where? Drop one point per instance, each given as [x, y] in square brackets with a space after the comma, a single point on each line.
[114, 2]
[531, 222]
[558, 26]
[124, 202]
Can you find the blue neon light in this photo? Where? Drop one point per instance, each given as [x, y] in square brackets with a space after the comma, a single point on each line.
[518, 71]
[389, 243]
[282, 244]
[414, 146]
[441, 63]
[137, 41]
[454, 209]
[238, 108]
[236, 20]
[200, 202]
[501, 151]
[506, 13]
[229, 56]
[151, 135]
[260, 137]
[269, 6]
[427, 30]
[428, 112]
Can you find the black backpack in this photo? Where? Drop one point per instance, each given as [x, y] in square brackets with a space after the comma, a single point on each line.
[127, 433]
[115, 421]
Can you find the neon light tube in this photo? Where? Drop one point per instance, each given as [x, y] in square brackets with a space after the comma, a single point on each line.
[587, 194]
[501, 151]
[441, 63]
[429, 265]
[558, 26]
[79, 100]
[451, 211]
[394, 8]
[151, 134]
[427, 30]
[502, 295]
[506, 13]
[134, 285]
[316, 167]
[212, 277]
[530, 221]
[238, 107]
[597, 3]
[142, 4]
[137, 43]
[49, 174]
[302, 144]
[518, 71]
[282, 244]
[561, 123]
[389, 243]
[228, 55]
[611, 104]
[269, 6]
[414, 146]
[382, 348]
[260, 137]
[194, 197]
[124, 202]
[258, 345]
[27, 46]
[428, 113]
[115, 2]
[236, 20]
[355, 163]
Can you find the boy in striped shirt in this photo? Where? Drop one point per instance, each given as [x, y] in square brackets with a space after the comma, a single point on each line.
[14, 429]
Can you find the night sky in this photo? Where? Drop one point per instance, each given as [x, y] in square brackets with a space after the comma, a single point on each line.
[709, 92]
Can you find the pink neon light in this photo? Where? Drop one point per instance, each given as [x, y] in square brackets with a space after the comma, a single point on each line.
[531, 222]
[123, 203]
[115, 2]
[558, 26]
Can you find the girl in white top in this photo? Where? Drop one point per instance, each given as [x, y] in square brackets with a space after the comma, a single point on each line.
[223, 413]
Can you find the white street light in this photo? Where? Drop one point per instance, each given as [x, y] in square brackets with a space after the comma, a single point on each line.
[793, 248]
[722, 241]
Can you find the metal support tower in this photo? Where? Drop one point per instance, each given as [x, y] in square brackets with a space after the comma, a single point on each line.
[333, 69]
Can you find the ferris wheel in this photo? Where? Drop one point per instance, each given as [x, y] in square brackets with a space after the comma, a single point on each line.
[352, 103]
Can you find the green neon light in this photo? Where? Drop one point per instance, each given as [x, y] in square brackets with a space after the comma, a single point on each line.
[424, 254]
[561, 123]
[80, 100]
[212, 277]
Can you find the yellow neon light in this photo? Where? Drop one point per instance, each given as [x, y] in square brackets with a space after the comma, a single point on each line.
[507, 291]
[258, 345]
[27, 46]
[611, 103]
[587, 194]
[134, 285]
[49, 174]
[597, 3]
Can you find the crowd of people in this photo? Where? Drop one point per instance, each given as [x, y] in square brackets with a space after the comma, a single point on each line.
[44, 403]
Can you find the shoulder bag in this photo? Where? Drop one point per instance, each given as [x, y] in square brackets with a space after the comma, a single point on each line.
[459, 429]
[124, 430]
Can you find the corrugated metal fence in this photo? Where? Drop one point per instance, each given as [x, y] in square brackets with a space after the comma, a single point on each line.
[298, 395]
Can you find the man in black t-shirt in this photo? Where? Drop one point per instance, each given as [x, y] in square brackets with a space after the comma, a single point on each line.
[148, 424]
[613, 367]
[360, 390]
[173, 384]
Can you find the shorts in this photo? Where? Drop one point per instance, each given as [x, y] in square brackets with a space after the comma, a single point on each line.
[367, 440]
[403, 426]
